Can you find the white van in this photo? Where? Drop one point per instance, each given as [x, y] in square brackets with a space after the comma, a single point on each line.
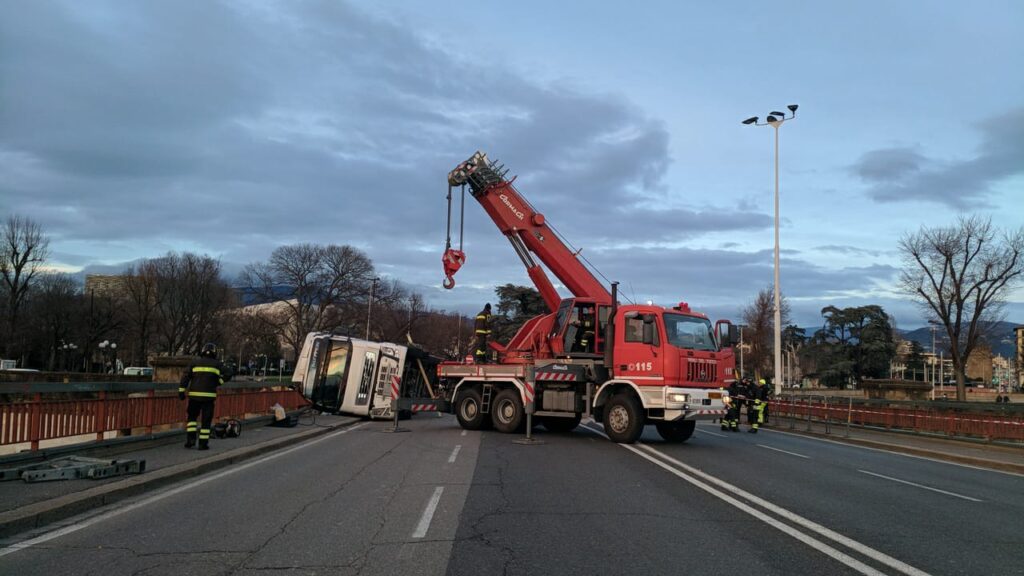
[138, 371]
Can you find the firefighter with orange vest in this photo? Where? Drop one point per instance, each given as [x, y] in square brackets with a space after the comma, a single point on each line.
[199, 383]
[482, 327]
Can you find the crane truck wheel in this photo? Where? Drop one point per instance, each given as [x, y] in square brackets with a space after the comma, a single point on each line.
[624, 418]
[554, 424]
[507, 411]
[676, 432]
[468, 410]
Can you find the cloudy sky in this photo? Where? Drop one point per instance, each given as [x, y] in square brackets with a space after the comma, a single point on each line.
[129, 129]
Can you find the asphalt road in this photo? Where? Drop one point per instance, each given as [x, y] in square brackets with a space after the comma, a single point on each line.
[437, 501]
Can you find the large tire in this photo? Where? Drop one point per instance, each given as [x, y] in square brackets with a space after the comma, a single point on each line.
[676, 432]
[507, 412]
[556, 424]
[468, 410]
[624, 418]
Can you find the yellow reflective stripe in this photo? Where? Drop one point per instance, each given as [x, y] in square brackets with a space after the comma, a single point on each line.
[483, 331]
[203, 394]
[209, 369]
[481, 316]
[181, 389]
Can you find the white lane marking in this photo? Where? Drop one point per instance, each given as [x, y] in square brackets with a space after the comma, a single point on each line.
[904, 454]
[428, 513]
[463, 433]
[117, 512]
[455, 454]
[810, 525]
[712, 433]
[784, 451]
[909, 483]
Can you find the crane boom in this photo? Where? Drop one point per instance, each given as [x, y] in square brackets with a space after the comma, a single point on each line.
[528, 231]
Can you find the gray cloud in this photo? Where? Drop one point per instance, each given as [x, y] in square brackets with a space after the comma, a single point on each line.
[850, 250]
[901, 174]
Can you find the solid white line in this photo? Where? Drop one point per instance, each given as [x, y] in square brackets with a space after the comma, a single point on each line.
[920, 486]
[428, 514]
[463, 433]
[904, 454]
[712, 433]
[117, 512]
[455, 453]
[784, 451]
[810, 525]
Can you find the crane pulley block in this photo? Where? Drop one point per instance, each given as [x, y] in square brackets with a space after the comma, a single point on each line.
[452, 260]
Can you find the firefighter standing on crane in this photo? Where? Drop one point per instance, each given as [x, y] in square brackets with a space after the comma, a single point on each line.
[584, 339]
[757, 401]
[199, 383]
[482, 327]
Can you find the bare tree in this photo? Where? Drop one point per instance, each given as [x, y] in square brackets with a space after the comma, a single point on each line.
[22, 254]
[54, 307]
[140, 293]
[960, 276]
[314, 287]
[759, 332]
[189, 294]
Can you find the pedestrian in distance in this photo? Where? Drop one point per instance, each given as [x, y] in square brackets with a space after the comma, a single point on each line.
[482, 328]
[199, 384]
[757, 400]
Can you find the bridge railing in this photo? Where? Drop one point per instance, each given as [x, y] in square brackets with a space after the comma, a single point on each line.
[954, 419]
[31, 413]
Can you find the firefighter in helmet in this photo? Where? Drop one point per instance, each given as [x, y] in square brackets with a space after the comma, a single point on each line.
[482, 328]
[737, 396]
[199, 383]
[584, 338]
[757, 401]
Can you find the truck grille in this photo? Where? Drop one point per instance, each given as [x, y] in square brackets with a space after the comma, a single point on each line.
[698, 370]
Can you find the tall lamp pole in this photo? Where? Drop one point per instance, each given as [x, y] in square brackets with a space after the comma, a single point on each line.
[776, 119]
[369, 305]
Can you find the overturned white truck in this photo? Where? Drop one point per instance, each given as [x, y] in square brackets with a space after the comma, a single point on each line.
[337, 373]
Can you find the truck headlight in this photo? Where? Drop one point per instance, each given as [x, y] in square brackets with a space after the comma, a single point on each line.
[679, 398]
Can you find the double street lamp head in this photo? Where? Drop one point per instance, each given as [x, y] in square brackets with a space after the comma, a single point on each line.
[774, 117]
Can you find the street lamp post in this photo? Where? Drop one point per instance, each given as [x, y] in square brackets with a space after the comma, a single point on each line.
[369, 305]
[933, 325]
[776, 119]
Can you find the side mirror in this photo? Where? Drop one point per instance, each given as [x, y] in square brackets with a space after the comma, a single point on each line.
[734, 335]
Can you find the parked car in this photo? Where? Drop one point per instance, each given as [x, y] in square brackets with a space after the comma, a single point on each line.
[138, 371]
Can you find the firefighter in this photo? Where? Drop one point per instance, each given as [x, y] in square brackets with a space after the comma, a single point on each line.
[737, 396]
[483, 331]
[199, 383]
[757, 401]
[584, 331]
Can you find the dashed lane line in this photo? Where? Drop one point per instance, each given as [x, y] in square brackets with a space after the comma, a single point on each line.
[455, 454]
[915, 484]
[428, 513]
[784, 451]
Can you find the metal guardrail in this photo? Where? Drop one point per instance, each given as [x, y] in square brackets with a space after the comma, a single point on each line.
[952, 419]
[37, 412]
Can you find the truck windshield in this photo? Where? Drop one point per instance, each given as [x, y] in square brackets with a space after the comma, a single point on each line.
[689, 332]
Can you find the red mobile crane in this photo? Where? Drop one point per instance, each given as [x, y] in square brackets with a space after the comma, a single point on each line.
[624, 365]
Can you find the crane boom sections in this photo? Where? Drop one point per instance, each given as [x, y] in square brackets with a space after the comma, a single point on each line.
[527, 228]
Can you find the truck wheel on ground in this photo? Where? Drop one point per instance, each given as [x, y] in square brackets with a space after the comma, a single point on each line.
[623, 418]
[507, 411]
[556, 424]
[676, 431]
[468, 410]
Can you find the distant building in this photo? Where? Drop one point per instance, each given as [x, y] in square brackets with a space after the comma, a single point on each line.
[979, 364]
[105, 285]
[1019, 357]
